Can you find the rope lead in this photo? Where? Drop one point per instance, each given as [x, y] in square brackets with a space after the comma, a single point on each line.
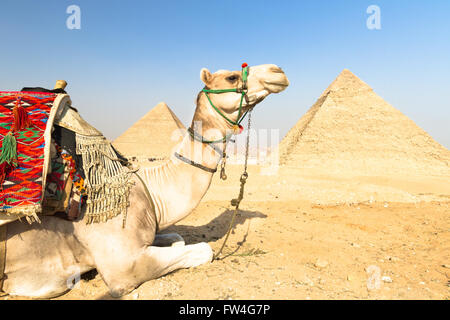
[237, 201]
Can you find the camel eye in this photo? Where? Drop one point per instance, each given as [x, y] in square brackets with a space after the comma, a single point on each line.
[232, 78]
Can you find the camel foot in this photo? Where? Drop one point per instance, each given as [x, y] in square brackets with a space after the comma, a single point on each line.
[198, 254]
[155, 262]
[168, 240]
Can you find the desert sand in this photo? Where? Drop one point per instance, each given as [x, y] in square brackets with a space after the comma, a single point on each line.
[285, 246]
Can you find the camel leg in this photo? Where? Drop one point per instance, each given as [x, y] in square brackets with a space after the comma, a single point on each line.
[167, 240]
[153, 263]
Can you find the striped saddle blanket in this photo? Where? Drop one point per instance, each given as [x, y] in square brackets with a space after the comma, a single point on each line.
[37, 171]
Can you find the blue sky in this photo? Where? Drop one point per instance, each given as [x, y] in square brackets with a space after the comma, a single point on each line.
[130, 55]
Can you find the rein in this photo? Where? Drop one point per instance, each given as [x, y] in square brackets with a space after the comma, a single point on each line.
[236, 202]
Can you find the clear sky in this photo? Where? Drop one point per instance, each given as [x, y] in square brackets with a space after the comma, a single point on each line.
[130, 55]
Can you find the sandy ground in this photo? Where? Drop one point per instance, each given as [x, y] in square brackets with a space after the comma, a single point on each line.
[306, 235]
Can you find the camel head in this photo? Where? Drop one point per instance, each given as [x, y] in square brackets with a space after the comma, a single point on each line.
[224, 88]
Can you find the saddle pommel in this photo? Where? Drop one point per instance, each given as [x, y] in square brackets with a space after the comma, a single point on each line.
[60, 84]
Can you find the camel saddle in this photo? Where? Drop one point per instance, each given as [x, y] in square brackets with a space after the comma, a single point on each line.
[73, 164]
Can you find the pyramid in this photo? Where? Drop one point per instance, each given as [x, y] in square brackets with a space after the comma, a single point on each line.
[153, 136]
[352, 129]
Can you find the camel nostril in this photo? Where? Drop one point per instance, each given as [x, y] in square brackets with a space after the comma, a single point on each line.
[276, 70]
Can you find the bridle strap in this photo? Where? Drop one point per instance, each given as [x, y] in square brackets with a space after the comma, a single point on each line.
[243, 91]
[243, 94]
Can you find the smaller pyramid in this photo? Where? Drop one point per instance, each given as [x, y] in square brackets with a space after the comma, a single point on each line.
[153, 136]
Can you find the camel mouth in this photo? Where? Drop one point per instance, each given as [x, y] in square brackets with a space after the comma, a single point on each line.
[276, 87]
[277, 84]
[255, 102]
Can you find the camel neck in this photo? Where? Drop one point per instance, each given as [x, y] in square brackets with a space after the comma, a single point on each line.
[177, 187]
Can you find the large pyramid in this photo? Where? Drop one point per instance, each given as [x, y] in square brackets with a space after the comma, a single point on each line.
[352, 129]
[153, 136]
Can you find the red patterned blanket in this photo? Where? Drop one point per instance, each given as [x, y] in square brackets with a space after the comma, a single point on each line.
[23, 138]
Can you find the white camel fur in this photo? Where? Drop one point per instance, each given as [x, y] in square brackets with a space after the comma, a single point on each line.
[43, 259]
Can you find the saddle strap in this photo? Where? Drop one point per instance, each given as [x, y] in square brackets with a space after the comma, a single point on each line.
[2, 257]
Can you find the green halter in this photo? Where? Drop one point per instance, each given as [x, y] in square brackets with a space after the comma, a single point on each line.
[236, 124]
[243, 91]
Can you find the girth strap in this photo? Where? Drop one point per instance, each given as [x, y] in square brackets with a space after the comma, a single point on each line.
[2, 257]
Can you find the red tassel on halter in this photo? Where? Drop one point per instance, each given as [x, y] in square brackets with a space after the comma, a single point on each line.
[21, 120]
[237, 129]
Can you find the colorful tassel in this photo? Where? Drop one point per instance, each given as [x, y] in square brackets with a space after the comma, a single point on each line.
[21, 120]
[9, 150]
[8, 157]
[5, 170]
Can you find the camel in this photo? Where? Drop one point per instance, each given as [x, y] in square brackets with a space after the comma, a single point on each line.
[44, 259]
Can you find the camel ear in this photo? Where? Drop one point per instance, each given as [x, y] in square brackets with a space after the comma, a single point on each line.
[205, 75]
